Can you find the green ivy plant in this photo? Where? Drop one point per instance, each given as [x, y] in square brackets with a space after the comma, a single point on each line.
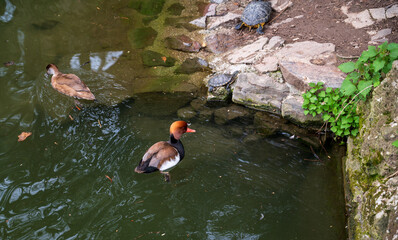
[338, 106]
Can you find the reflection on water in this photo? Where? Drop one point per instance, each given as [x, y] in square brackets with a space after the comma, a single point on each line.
[8, 13]
[53, 185]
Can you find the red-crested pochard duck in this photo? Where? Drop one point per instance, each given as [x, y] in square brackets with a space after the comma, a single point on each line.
[69, 84]
[165, 155]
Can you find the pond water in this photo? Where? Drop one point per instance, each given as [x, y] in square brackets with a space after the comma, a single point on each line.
[55, 185]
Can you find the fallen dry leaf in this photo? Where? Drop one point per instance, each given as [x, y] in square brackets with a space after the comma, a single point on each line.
[164, 59]
[109, 178]
[23, 136]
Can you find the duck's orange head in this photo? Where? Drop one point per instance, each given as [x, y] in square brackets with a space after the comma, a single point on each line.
[178, 128]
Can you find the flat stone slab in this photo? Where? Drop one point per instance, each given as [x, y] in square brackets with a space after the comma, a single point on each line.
[292, 110]
[214, 22]
[307, 51]
[392, 11]
[358, 20]
[259, 91]
[301, 74]
[248, 53]
[378, 13]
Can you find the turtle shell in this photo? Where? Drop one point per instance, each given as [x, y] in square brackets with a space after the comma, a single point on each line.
[221, 79]
[256, 12]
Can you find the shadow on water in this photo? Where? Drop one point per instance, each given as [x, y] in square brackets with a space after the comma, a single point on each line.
[55, 185]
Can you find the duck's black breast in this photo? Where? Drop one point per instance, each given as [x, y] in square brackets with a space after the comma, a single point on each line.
[178, 145]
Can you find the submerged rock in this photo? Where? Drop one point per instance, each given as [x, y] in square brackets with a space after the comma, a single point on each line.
[182, 43]
[175, 9]
[147, 7]
[186, 113]
[192, 65]
[233, 112]
[142, 37]
[151, 59]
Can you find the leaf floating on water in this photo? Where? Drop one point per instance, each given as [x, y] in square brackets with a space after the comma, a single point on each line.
[109, 178]
[71, 118]
[7, 64]
[78, 108]
[23, 136]
[99, 123]
[262, 217]
[164, 59]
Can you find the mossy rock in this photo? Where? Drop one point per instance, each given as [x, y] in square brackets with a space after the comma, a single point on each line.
[175, 9]
[148, 20]
[152, 59]
[192, 65]
[147, 7]
[142, 37]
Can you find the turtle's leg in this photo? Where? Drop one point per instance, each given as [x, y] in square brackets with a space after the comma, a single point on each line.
[260, 29]
[239, 26]
[210, 89]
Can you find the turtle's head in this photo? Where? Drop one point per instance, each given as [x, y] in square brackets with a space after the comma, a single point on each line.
[51, 69]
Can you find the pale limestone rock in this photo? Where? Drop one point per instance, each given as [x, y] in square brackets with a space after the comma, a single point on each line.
[267, 64]
[292, 110]
[358, 20]
[199, 22]
[248, 53]
[392, 11]
[274, 43]
[301, 74]
[378, 13]
[380, 36]
[214, 22]
[280, 5]
[260, 92]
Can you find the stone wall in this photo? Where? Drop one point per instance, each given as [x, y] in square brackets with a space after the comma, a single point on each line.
[371, 166]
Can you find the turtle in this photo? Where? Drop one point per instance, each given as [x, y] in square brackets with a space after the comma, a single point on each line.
[221, 80]
[255, 15]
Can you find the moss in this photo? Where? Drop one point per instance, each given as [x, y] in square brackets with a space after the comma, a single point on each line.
[147, 7]
[142, 37]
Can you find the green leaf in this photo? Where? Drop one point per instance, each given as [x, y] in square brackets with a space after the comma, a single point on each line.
[370, 53]
[334, 129]
[364, 84]
[312, 85]
[383, 46]
[313, 99]
[347, 67]
[322, 94]
[306, 112]
[339, 132]
[329, 90]
[306, 101]
[395, 143]
[313, 90]
[319, 84]
[354, 76]
[346, 132]
[312, 107]
[354, 132]
[348, 88]
[392, 46]
[326, 117]
[378, 64]
[394, 54]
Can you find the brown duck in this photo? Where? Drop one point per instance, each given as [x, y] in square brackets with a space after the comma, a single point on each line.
[163, 155]
[69, 84]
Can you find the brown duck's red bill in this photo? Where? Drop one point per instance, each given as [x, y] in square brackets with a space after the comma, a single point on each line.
[190, 130]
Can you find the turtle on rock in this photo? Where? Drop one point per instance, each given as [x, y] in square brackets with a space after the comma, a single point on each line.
[220, 80]
[255, 15]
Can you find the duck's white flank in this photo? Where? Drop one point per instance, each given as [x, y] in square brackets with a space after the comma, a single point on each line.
[171, 163]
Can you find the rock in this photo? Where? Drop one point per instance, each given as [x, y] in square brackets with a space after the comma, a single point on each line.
[380, 36]
[233, 112]
[291, 110]
[252, 138]
[371, 164]
[219, 94]
[198, 103]
[214, 22]
[147, 7]
[267, 64]
[392, 11]
[206, 114]
[175, 9]
[210, 9]
[217, 1]
[274, 43]
[192, 65]
[186, 113]
[182, 43]
[220, 43]
[260, 92]
[199, 22]
[281, 5]
[142, 37]
[378, 13]
[301, 74]
[248, 53]
[358, 20]
[306, 51]
[151, 59]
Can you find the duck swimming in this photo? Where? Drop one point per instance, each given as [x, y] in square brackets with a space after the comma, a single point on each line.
[69, 84]
[165, 155]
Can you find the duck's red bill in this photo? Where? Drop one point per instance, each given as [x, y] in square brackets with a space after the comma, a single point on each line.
[190, 130]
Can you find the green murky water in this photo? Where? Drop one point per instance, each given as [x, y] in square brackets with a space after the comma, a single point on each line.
[53, 185]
